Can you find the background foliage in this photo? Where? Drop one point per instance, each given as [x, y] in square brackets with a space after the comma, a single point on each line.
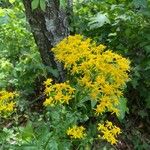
[123, 25]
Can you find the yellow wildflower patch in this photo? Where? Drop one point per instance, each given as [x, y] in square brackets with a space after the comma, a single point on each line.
[109, 132]
[99, 71]
[76, 132]
[7, 103]
[57, 93]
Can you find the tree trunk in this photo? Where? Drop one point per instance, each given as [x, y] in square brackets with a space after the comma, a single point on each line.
[48, 28]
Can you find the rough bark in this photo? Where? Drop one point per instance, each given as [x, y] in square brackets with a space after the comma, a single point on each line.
[48, 28]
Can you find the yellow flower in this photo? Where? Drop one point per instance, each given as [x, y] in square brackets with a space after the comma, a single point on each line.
[48, 82]
[107, 89]
[105, 103]
[48, 90]
[109, 132]
[66, 98]
[48, 102]
[7, 103]
[101, 79]
[10, 106]
[76, 132]
[94, 93]
[58, 93]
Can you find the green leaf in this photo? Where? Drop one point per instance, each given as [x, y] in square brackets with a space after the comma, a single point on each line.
[143, 113]
[134, 82]
[53, 145]
[35, 4]
[98, 21]
[148, 101]
[26, 147]
[27, 133]
[122, 108]
[147, 49]
[12, 1]
[54, 72]
[93, 103]
[4, 19]
[43, 5]
[63, 3]
[140, 3]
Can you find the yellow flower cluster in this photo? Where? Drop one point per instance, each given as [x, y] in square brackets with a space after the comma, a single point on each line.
[57, 93]
[99, 71]
[7, 103]
[76, 132]
[109, 132]
[107, 103]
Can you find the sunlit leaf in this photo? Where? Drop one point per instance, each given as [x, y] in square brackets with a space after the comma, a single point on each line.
[12, 1]
[122, 107]
[43, 5]
[98, 21]
[35, 4]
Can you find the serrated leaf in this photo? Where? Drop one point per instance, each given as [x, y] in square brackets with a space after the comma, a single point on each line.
[140, 3]
[43, 5]
[122, 107]
[98, 21]
[35, 4]
[4, 19]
